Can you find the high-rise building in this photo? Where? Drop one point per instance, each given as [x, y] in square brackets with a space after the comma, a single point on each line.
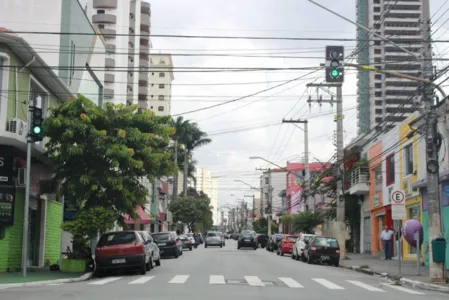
[161, 78]
[384, 100]
[208, 185]
[126, 26]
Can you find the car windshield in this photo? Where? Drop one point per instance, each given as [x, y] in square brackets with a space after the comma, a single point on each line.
[117, 238]
[326, 242]
[162, 237]
[209, 234]
[247, 234]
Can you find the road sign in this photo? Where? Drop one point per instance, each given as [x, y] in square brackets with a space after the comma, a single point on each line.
[398, 205]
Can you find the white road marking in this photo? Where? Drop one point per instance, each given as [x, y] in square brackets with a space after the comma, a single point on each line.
[328, 284]
[104, 281]
[179, 279]
[217, 279]
[290, 282]
[365, 286]
[142, 280]
[254, 280]
[402, 289]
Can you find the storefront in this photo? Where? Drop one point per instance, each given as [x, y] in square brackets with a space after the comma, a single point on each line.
[380, 218]
[413, 210]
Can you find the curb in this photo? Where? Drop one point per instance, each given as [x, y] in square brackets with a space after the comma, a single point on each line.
[84, 277]
[413, 283]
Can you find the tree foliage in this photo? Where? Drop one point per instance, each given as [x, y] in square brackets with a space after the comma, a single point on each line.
[261, 226]
[193, 210]
[99, 156]
[307, 221]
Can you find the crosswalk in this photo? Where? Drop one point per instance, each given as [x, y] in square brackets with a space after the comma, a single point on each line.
[255, 281]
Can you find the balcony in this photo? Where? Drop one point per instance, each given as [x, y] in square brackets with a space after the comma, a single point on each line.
[110, 48]
[359, 181]
[144, 63]
[145, 20]
[143, 90]
[104, 19]
[143, 79]
[109, 78]
[109, 63]
[108, 93]
[108, 33]
[144, 49]
[105, 4]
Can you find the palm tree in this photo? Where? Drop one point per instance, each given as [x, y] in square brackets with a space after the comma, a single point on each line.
[181, 127]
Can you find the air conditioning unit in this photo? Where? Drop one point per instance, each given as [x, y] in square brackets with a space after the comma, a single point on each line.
[21, 180]
[18, 127]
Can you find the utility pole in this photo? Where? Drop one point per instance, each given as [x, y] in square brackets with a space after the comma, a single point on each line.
[175, 177]
[339, 225]
[306, 157]
[254, 205]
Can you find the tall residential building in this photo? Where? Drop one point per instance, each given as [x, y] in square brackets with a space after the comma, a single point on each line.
[161, 78]
[208, 185]
[383, 100]
[126, 28]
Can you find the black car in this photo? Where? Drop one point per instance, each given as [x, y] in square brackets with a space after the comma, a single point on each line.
[247, 239]
[273, 241]
[262, 239]
[322, 249]
[169, 243]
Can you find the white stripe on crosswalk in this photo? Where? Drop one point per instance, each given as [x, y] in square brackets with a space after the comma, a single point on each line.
[290, 282]
[179, 279]
[104, 281]
[365, 286]
[402, 289]
[217, 279]
[254, 280]
[142, 280]
[328, 284]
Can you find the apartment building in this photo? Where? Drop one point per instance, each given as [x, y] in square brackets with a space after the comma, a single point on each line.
[383, 100]
[161, 79]
[275, 181]
[126, 26]
[209, 185]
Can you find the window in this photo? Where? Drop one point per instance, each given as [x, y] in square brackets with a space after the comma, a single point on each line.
[377, 51]
[162, 86]
[376, 9]
[161, 97]
[161, 74]
[100, 11]
[267, 181]
[378, 76]
[160, 108]
[162, 61]
[390, 169]
[408, 159]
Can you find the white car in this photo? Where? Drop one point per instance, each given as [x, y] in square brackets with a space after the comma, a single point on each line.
[300, 244]
[190, 236]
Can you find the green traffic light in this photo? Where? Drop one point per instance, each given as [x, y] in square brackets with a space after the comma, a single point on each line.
[335, 73]
[37, 130]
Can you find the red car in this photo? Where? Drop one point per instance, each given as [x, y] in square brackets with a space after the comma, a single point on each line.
[285, 246]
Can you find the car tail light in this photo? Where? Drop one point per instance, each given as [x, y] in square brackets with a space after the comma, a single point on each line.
[337, 252]
[140, 246]
[313, 249]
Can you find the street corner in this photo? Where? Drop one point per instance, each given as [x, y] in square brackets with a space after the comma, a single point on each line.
[425, 285]
[367, 271]
[84, 277]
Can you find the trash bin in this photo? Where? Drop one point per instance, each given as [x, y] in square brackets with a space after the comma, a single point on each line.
[438, 250]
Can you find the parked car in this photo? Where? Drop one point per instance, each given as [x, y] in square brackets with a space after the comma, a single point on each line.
[152, 248]
[300, 244]
[247, 239]
[262, 240]
[169, 243]
[285, 246]
[213, 238]
[322, 249]
[273, 241]
[191, 238]
[120, 250]
[186, 242]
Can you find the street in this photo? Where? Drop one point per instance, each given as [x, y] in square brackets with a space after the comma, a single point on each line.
[225, 273]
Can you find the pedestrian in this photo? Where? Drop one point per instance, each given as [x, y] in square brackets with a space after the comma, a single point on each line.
[385, 236]
[196, 237]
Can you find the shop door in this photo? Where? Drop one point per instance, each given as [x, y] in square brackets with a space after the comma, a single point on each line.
[367, 234]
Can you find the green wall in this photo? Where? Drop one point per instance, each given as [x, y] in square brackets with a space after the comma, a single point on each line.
[426, 237]
[11, 245]
[53, 232]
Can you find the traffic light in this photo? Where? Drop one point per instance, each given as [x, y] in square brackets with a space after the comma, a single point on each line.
[334, 63]
[36, 132]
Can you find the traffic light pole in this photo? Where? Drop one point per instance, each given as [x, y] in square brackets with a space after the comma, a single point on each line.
[27, 198]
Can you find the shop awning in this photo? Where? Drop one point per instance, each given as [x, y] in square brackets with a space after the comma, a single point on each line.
[142, 217]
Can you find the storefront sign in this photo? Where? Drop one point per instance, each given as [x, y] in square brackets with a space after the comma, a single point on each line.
[7, 195]
[6, 165]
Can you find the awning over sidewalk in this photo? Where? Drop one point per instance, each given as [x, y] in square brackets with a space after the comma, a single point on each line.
[141, 215]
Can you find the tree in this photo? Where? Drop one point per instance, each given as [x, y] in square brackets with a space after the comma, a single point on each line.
[192, 210]
[99, 156]
[307, 221]
[261, 226]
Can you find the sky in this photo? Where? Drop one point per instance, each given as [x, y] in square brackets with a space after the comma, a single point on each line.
[252, 126]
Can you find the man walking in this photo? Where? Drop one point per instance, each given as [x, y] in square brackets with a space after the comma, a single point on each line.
[385, 236]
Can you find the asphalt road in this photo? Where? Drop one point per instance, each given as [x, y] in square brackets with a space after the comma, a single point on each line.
[227, 273]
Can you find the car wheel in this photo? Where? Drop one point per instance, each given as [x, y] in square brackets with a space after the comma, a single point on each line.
[255, 248]
[293, 256]
[143, 269]
[190, 248]
[221, 246]
[238, 246]
[158, 261]
[277, 252]
[337, 264]
[176, 254]
[309, 260]
[205, 245]
[98, 273]
[282, 253]
[297, 257]
[149, 265]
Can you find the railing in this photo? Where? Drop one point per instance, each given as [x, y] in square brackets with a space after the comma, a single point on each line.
[359, 175]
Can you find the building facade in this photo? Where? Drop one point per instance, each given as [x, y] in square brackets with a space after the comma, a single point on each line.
[208, 185]
[383, 98]
[161, 78]
[126, 27]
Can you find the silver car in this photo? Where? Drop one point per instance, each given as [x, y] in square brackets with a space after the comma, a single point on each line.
[213, 238]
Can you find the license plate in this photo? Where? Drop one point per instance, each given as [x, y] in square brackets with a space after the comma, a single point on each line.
[324, 257]
[162, 244]
[246, 240]
[118, 261]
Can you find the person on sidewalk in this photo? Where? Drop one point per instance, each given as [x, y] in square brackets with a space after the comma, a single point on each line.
[385, 236]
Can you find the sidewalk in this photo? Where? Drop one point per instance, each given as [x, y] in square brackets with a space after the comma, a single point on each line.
[390, 268]
[37, 276]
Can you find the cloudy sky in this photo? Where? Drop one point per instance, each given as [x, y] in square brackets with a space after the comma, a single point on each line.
[252, 126]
